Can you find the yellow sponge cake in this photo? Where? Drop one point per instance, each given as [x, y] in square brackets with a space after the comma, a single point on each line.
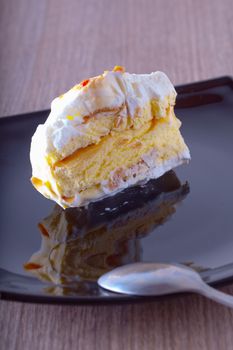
[105, 134]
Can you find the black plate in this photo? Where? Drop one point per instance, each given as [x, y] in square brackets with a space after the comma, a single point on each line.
[199, 233]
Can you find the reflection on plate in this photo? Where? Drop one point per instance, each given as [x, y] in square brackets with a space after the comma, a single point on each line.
[82, 244]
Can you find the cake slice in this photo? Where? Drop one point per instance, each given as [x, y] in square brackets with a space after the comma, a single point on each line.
[79, 243]
[105, 134]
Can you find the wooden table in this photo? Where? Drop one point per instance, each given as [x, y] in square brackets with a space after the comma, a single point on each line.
[46, 47]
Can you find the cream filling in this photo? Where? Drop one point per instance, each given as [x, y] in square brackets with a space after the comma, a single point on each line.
[138, 174]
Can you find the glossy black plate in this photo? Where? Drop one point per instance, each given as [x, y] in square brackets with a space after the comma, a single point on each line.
[190, 221]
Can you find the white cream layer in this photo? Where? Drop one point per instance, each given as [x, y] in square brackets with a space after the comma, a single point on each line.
[110, 91]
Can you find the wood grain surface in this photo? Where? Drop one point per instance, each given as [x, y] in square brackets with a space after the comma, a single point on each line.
[48, 46]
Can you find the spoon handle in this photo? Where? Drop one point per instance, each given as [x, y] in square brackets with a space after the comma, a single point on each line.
[216, 295]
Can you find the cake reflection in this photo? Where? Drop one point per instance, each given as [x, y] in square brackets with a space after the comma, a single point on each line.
[83, 243]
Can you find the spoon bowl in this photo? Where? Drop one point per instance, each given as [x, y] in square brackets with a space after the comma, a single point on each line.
[159, 279]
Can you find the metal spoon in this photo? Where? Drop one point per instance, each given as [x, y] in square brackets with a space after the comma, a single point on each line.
[159, 279]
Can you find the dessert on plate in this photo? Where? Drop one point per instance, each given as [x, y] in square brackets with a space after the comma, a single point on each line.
[82, 244]
[105, 134]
